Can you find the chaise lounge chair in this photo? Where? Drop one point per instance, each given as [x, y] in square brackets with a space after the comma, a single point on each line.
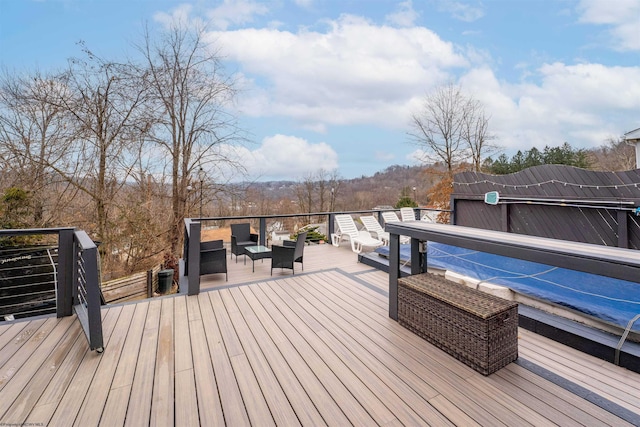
[407, 214]
[373, 226]
[391, 216]
[347, 230]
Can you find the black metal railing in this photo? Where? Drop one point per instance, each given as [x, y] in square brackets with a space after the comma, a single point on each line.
[64, 281]
[27, 281]
[193, 229]
[86, 289]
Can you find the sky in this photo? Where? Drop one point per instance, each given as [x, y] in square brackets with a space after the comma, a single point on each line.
[331, 84]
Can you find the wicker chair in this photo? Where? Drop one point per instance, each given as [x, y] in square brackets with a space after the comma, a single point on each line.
[241, 237]
[286, 256]
[213, 258]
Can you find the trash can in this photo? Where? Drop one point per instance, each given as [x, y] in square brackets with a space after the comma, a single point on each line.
[165, 280]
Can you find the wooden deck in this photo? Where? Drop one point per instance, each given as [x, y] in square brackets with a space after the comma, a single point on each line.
[312, 349]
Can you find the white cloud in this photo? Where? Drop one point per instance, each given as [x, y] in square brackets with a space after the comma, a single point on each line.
[358, 73]
[284, 157]
[354, 72]
[179, 15]
[623, 16]
[405, 16]
[462, 11]
[304, 3]
[581, 104]
[418, 157]
[235, 12]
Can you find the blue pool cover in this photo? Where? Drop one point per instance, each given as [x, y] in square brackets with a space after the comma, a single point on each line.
[611, 300]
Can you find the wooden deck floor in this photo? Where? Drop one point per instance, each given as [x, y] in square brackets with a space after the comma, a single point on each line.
[312, 349]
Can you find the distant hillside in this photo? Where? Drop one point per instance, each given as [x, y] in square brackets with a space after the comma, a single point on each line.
[365, 192]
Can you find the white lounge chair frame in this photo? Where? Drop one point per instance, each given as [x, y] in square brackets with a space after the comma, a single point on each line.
[407, 214]
[373, 226]
[391, 216]
[347, 230]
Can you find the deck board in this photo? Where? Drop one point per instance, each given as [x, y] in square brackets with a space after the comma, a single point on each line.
[71, 402]
[314, 348]
[233, 406]
[139, 406]
[300, 389]
[96, 397]
[162, 403]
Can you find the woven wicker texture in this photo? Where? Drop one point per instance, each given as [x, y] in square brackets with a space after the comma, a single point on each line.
[476, 302]
[478, 329]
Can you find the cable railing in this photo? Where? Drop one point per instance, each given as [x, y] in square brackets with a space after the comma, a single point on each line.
[27, 281]
[59, 278]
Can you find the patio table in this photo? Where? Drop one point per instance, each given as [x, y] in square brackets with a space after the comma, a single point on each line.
[256, 252]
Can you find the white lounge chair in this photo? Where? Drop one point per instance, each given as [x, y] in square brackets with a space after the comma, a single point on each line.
[373, 226]
[430, 216]
[347, 230]
[407, 214]
[391, 216]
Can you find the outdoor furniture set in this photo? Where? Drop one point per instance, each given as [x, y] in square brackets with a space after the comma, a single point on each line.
[213, 254]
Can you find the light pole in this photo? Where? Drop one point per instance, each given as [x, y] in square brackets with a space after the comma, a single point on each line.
[414, 195]
[332, 202]
[201, 177]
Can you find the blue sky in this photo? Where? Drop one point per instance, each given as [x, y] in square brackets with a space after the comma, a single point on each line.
[331, 84]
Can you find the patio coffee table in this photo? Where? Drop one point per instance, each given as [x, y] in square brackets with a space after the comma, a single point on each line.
[256, 252]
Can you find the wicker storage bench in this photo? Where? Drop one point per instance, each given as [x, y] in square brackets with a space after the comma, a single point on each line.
[479, 329]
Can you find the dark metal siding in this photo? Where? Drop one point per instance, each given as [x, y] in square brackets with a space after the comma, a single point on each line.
[597, 225]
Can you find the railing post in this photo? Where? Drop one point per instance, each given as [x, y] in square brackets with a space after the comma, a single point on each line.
[94, 314]
[623, 228]
[64, 297]
[394, 274]
[185, 246]
[331, 226]
[149, 283]
[416, 261]
[506, 218]
[263, 228]
[193, 259]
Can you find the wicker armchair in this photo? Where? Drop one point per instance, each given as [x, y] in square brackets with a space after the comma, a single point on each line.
[213, 258]
[241, 237]
[287, 255]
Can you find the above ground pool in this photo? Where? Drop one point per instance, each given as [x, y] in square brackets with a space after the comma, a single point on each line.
[610, 300]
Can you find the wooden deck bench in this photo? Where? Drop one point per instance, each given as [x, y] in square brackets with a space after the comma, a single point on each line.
[479, 329]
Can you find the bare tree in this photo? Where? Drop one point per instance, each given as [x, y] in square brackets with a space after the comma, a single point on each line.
[105, 102]
[614, 155]
[305, 192]
[34, 133]
[450, 127]
[475, 132]
[191, 117]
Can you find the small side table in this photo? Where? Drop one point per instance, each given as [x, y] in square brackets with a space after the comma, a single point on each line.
[256, 252]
